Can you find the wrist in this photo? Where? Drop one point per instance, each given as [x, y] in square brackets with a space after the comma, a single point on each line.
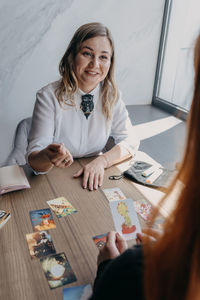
[106, 161]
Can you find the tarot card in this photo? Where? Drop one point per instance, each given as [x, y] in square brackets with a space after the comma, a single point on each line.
[81, 292]
[158, 223]
[40, 244]
[100, 240]
[4, 217]
[143, 208]
[125, 218]
[42, 219]
[114, 194]
[61, 207]
[57, 270]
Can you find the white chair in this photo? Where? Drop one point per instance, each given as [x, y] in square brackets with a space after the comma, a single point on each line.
[20, 142]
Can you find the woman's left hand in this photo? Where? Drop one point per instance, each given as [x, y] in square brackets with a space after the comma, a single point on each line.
[93, 173]
[115, 245]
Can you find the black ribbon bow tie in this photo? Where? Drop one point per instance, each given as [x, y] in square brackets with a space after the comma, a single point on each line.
[87, 104]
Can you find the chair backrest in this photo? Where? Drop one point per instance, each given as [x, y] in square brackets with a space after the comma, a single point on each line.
[20, 143]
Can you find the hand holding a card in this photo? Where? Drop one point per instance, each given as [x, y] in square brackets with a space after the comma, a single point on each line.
[115, 245]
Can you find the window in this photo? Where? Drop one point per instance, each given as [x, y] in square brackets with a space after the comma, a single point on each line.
[173, 86]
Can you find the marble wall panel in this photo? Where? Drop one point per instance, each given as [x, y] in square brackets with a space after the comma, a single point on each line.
[34, 35]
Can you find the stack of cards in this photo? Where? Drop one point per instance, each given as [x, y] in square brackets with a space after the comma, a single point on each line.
[4, 217]
[56, 266]
[123, 212]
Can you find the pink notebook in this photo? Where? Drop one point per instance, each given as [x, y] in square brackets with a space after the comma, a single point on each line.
[12, 178]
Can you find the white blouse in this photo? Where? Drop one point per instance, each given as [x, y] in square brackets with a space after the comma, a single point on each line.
[83, 137]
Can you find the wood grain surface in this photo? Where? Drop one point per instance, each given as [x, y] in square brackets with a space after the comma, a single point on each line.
[22, 278]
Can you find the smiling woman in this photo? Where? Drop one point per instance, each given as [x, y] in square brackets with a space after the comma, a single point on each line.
[75, 116]
[92, 62]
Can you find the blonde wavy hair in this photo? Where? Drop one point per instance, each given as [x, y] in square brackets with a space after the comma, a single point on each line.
[69, 84]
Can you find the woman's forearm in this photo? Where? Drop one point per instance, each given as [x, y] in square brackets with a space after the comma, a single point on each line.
[116, 155]
[39, 161]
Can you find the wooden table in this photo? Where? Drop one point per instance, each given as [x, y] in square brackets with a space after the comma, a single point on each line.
[22, 278]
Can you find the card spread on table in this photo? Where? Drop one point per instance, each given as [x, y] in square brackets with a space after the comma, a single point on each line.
[81, 292]
[40, 244]
[143, 208]
[114, 194]
[100, 240]
[4, 217]
[57, 270]
[42, 219]
[125, 218]
[62, 207]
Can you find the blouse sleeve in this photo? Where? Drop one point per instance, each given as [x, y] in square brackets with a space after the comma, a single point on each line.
[122, 130]
[43, 121]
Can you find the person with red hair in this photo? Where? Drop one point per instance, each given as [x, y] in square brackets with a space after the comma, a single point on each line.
[169, 266]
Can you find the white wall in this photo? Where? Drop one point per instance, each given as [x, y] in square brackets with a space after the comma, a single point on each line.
[34, 35]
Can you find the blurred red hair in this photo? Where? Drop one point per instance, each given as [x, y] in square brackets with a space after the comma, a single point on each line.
[172, 265]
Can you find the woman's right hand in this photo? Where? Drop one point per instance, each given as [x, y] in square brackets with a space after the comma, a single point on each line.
[115, 245]
[148, 234]
[58, 155]
[53, 155]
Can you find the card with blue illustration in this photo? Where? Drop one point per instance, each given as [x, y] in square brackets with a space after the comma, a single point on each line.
[57, 270]
[42, 219]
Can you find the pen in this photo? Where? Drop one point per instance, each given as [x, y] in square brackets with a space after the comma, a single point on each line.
[154, 176]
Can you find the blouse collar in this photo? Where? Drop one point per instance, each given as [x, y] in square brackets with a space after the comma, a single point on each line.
[94, 92]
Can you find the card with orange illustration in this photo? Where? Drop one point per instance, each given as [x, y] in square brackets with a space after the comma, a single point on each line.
[61, 206]
[42, 219]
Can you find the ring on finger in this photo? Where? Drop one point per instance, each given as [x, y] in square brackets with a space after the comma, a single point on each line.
[64, 161]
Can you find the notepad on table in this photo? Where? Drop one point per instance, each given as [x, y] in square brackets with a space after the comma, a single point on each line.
[12, 178]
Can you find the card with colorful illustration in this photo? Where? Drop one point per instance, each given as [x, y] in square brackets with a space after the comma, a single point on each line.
[81, 292]
[125, 218]
[100, 240]
[40, 244]
[42, 219]
[62, 207]
[57, 270]
[114, 194]
[143, 208]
